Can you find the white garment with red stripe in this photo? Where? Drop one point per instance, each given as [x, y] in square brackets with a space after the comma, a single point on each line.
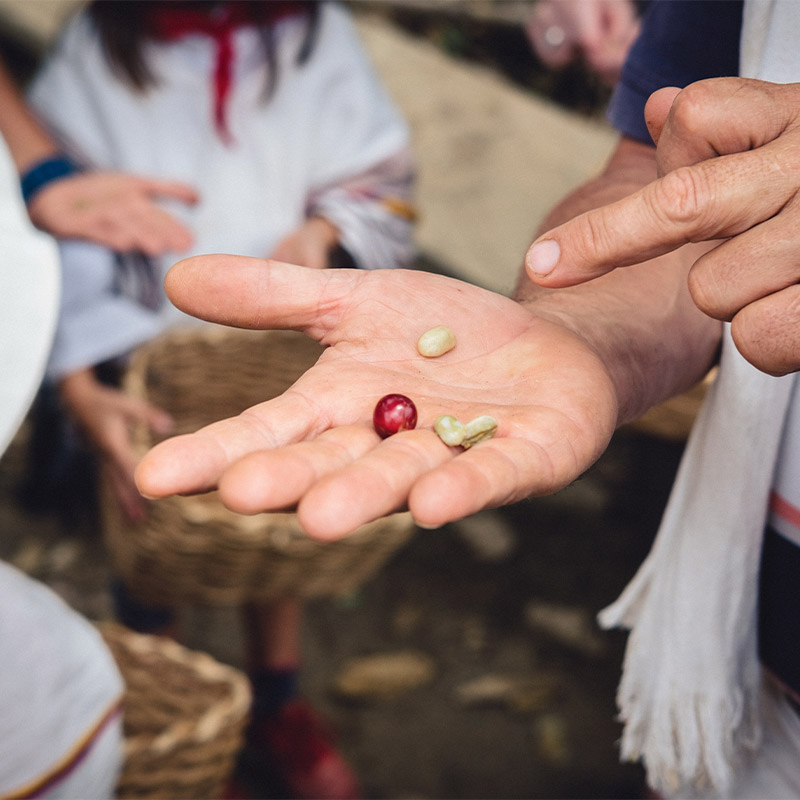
[784, 513]
[60, 726]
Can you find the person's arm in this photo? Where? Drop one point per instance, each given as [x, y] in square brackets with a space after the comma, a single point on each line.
[366, 221]
[26, 139]
[357, 156]
[117, 210]
[106, 416]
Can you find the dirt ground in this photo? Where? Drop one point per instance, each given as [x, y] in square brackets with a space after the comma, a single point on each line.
[518, 700]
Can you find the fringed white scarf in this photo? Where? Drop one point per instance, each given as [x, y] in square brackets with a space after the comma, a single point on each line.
[691, 681]
[690, 695]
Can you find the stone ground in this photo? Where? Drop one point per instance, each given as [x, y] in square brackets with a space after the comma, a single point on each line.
[517, 695]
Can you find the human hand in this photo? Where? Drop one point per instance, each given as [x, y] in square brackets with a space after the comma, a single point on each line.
[314, 448]
[106, 415]
[599, 31]
[728, 152]
[114, 209]
[310, 245]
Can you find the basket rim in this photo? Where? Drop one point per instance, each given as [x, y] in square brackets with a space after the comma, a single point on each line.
[206, 727]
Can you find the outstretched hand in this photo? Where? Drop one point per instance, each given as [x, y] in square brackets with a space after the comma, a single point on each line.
[728, 152]
[314, 448]
[114, 209]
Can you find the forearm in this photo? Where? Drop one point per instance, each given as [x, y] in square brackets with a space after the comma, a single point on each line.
[78, 388]
[26, 138]
[640, 320]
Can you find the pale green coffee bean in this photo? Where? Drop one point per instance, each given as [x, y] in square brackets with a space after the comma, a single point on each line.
[436, 342]
[480, 429]
[449, 430]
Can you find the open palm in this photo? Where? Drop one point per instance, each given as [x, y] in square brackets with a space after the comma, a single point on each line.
[314, 447]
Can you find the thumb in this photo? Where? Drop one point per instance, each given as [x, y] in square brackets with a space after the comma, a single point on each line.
[657, 109]
[247, 292]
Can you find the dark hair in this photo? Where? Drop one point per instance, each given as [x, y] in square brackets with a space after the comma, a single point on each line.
[122, 26]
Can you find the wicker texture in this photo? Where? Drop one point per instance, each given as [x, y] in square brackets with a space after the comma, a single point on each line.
[184, 717]
[192, 549]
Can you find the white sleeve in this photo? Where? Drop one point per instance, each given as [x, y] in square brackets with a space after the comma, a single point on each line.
[58, 682]
[97, 322]
[363, 170]
[374, 213]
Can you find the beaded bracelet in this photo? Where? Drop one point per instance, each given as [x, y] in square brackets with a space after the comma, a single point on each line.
[44, 172]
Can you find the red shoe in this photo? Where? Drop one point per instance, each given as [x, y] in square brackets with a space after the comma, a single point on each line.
[235, 790]
[301, 751]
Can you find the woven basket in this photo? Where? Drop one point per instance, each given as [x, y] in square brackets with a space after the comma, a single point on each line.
[184, 717]
[193, 549]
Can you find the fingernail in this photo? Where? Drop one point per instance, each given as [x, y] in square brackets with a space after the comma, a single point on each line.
[543, 257]
[426, 527]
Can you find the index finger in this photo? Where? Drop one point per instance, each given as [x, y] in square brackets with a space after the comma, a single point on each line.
[713, 199]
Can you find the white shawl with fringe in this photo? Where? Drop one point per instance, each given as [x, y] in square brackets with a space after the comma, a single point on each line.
[691, 696]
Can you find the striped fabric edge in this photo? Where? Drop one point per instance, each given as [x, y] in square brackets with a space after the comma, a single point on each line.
[70, 761]
[784, 509]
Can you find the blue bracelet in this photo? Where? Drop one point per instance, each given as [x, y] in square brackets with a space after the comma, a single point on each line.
[43, 172]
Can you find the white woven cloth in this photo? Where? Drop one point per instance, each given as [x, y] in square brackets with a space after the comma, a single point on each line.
[691, 683]
[692, 697]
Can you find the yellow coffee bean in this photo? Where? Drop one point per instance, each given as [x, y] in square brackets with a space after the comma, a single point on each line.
[436, 342]
[449, 430]
[479, 429]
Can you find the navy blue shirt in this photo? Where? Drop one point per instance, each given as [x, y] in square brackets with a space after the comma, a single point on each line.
[681, 41]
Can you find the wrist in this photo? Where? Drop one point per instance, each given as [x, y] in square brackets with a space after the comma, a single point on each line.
[75, 386]
[44, 172]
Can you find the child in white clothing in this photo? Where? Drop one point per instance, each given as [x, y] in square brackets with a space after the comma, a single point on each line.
[273, 113]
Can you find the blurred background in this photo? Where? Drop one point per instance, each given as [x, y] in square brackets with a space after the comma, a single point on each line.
[493, 679]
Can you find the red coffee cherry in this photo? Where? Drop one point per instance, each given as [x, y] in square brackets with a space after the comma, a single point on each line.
[393, 413]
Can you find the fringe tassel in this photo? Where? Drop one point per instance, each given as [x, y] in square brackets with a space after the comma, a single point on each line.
[689, 695]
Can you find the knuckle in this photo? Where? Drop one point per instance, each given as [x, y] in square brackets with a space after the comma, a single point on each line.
[680, 199]
[690, 108]
[709, 291]
[594, 237]
[766, 333]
